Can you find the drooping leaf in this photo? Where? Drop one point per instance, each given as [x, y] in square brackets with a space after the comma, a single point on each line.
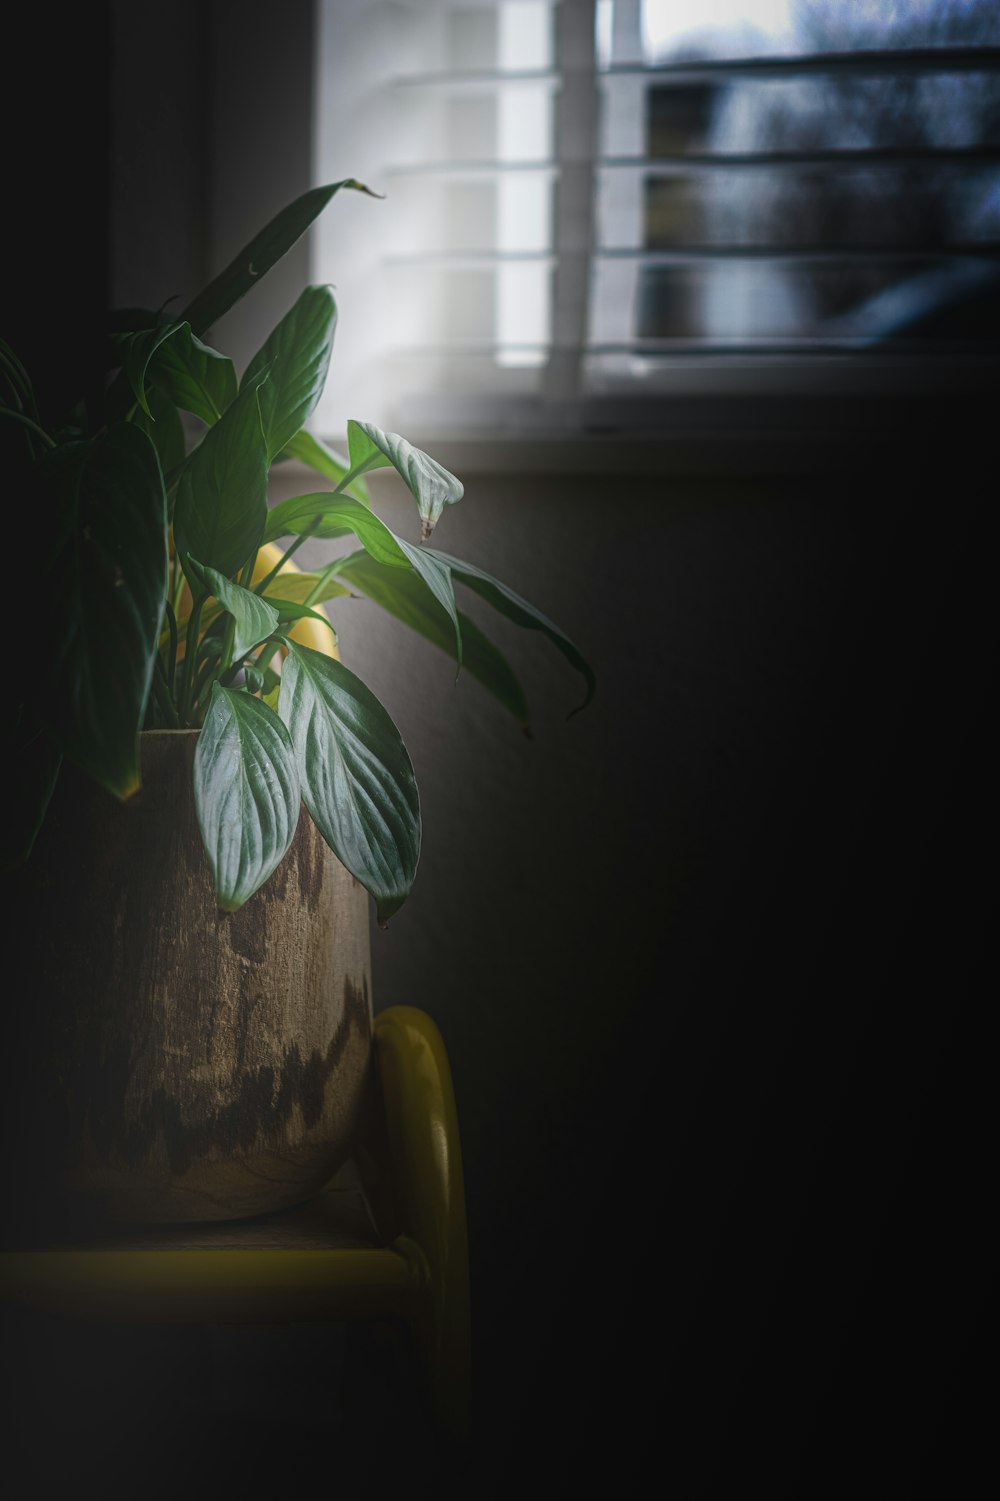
[164, 429]
[405, 596]
[193, 376]
[517, 609]
[107, 581]
[18, 380]
[139, 349]
[246, 791]
[326, 461]
[357, 780]
[257, 258]
[221, 503]
[432, 486]
[297, 356]
[324, 515]
[255, 618]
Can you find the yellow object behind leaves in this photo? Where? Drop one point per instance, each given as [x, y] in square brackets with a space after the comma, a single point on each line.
[307, 632]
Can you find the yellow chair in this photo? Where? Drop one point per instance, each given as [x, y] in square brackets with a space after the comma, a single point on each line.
[385, 1240]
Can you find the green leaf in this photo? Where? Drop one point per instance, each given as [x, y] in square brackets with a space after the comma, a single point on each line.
[163, 427]
[257, 258]
[357, 780]
[324, 515]
[106, 586]
[193, 376]
[255, 619]
[433, 487]
[309, 450]
[517, 609]
[246, 791]
[221, 504]
[405, 596]
[139, 350]
[297, 356]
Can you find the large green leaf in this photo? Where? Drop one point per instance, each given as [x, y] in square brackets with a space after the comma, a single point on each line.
[324, 515]
[194, 376]
[405, 596]
[311, 451]
[257, 258]
[517, 609]
[162, 425]
[107, 581]
[255, 618]
[433, 487]
[221, 504]
[296, 356]
[246, 791]
[357, 780]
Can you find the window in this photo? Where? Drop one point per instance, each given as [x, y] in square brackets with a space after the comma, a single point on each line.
[593, 204]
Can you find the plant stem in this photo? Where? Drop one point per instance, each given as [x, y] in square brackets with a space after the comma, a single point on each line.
[270, 646]
[225, 660]
[190, 654]
[27, 422]
[350, 477]
[172, 659]
[205, 680]
[321, 582]
[163, 695]
[259, 588]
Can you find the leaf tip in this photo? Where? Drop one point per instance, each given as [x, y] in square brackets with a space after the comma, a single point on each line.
[128, 788]
[360, 187]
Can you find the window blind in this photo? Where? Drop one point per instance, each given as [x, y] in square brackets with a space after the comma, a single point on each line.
[593, 203]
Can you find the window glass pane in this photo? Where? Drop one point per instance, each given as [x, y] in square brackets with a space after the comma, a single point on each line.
[674, 31]
[883, 169]
[840, 207]
[744, 302]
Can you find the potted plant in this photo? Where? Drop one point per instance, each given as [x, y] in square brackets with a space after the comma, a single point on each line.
[197, 983]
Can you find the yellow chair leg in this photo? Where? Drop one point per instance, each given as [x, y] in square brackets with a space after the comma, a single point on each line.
[426, 1200]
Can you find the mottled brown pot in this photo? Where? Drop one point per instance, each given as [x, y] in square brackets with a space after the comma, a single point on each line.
[182, 1063]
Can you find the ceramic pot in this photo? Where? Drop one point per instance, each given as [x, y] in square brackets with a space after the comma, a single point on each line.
[179, 1063]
